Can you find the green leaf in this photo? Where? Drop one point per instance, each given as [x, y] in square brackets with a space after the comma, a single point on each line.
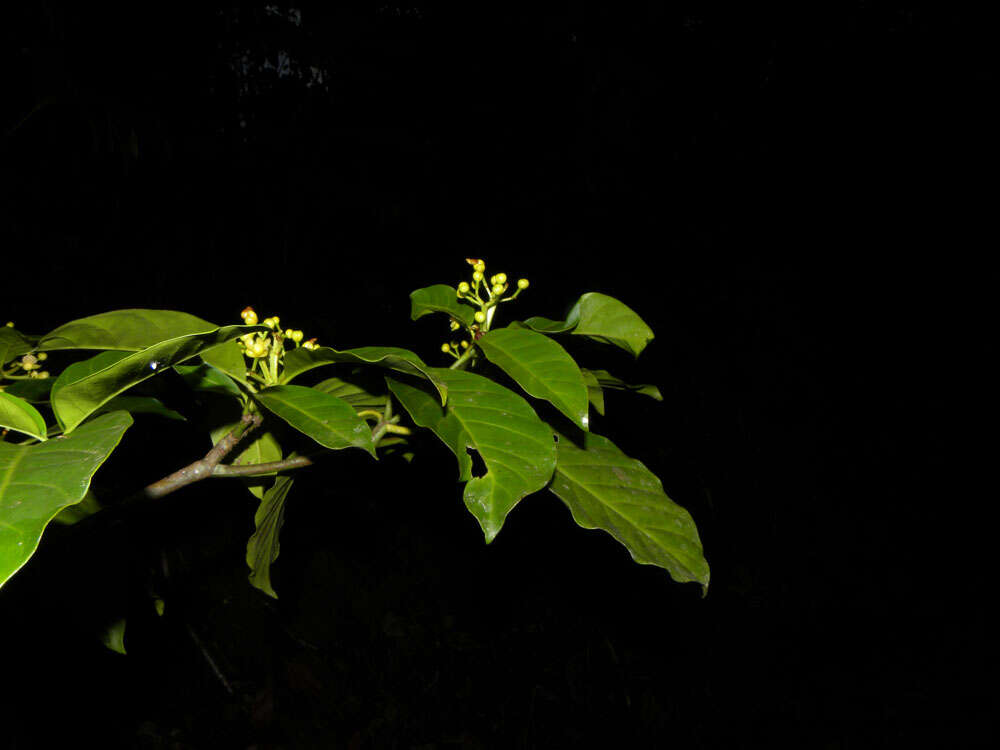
[37, 481]
[514, 444]
[114, 636]
[209, 379]
[78, 399]
[355, 391]
[302, 360]
[228, 358]
[18, 414]
[32, 390]
[125, 330]
[594, 391]
[263, 547]
[606, 380]
[541, 367]
[328, 420]
[440, 298]
[601, 318]
[605, 489]
[140, 405]
[13, 344]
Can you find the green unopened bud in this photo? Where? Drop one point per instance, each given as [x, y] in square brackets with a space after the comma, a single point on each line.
[297, 336]
[523, 283]
[463, 287]
[480, 316]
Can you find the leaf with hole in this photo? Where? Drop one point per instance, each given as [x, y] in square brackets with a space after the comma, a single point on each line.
[516, 447]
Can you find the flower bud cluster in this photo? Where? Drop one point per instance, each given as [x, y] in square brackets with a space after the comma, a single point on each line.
[269, 345]
[485, 295]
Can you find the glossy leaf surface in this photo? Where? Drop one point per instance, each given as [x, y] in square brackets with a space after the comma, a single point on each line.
[439, 298]
[541, 367]
[601, 318]
[263, 546]
[330, 421]
[124, 330]
[37, 481]
[605, 489]
[18, 414]
[594, 391]
[514, 444]
[76, 400]
[302, 360]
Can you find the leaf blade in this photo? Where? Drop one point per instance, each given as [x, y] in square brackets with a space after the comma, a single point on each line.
[17, 414]
[38, 481]
[515, 445]
[263, 546]
[439, 298]
[330, 421]
[605, 489]
[541, 367]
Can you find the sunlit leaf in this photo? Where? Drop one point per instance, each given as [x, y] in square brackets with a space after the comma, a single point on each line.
[356, 391]
[125, 330]
[605, 489]
[516, 447]
[541, 367]
[263, 547]
[37, 481]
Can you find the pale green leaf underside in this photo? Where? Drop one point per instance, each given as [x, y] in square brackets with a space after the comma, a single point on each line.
[439, 298]
[605, 489]
[514, 444]
[17, 414]
[302, 360]
[263, 546]
[330, 421]
[541, 367]
[355, 392]
[601, 318]
[37, 481]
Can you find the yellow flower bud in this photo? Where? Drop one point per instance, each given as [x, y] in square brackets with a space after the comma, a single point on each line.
[446, 348]
[477, 275]
[249, 316]
[42, 356]
[498, 288]
[501, 278]
[297, 336]
[43, 374]
[480, 316]
[480, 266]
[463, 287]
[288, 333]
[455, 325]
[10, 324]
[523, 283]
[465, 344]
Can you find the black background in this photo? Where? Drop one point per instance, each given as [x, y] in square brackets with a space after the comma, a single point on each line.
[787, 196]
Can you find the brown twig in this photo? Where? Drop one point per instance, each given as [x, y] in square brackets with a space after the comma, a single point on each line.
[204, 467]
